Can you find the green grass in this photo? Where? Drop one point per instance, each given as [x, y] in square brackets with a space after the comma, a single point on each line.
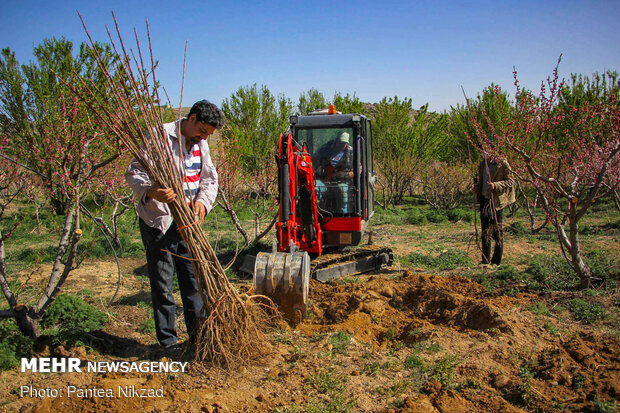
[605, 406]
[508, 272]
[390, 334]
[148, 326]
[426, 347]
[552, 273]
[553, 330]
[421, 215]
[414, 361]
[586, 312]
[446, 260]
[443, 370]
[539, 308]
[547, 273]
[325, 381]
[27, 248]
[340, 342]
[398, 388]
[283, 336]
[337, 403]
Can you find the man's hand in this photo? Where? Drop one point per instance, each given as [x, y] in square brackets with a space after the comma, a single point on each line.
[200, 210]
[491, 186]
[165, 195]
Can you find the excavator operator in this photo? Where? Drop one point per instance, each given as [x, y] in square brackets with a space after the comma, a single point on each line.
[335, 173]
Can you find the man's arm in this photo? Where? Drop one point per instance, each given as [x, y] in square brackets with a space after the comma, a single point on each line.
[138, 181]
[507, 181]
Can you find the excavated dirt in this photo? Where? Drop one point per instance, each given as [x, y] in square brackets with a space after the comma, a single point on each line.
[475, 352]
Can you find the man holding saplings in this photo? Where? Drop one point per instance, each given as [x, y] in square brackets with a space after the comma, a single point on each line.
[165, 249]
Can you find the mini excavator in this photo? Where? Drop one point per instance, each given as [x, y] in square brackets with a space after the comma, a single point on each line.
[326, 185]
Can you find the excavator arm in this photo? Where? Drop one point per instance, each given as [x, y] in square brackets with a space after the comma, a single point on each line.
[298, 227]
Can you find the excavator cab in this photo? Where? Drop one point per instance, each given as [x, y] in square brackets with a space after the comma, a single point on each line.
[326, 185]
[341, 150]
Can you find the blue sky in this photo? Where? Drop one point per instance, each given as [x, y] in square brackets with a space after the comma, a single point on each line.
[425, 50]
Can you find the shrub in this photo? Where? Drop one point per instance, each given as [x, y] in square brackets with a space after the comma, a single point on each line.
[458, 214]
[13, 344]
[508, 272]
[415, 217]
[72, 317]
[436, 216]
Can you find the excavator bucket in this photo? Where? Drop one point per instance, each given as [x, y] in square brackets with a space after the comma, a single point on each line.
[284, 278]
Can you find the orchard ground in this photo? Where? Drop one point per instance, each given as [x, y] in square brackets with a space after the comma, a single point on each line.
[435, 332]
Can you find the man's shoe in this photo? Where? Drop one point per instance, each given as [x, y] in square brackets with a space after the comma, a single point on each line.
[172, 350]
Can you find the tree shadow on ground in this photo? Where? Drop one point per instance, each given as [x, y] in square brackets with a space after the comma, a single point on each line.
[141, 296]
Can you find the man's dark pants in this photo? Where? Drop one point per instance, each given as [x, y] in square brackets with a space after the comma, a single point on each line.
[491, 227]
[161, 266]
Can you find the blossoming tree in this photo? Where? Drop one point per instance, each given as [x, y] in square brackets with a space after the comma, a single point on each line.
[566, 148]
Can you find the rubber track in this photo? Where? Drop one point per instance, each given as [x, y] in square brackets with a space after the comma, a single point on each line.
[330, 259]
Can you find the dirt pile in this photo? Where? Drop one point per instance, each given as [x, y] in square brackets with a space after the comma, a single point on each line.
[401, 306]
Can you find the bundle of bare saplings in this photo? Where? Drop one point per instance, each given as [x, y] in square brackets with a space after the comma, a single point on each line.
[231, 326]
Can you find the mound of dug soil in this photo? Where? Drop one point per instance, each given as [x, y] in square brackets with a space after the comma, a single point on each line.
[402, 305]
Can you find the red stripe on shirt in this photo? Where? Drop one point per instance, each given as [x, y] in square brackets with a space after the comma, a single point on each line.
[192, 178]
[196, 152]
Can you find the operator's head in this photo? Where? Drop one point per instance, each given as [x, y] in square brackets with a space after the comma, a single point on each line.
[343, 139]
[203, 119]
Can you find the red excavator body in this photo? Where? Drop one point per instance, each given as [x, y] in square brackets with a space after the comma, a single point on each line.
[326, 185]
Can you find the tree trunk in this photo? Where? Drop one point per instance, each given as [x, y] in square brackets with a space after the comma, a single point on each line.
[571, 242]
[27, 326]
[59, 205]
[68, 241]
[266, 230]
[256, 225]
[6, 290]
[233, 216]
[115, 216]
[36, 211]
[531, 210]
[616, 197]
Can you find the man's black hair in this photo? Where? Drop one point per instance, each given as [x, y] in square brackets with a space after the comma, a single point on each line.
[207, 112]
